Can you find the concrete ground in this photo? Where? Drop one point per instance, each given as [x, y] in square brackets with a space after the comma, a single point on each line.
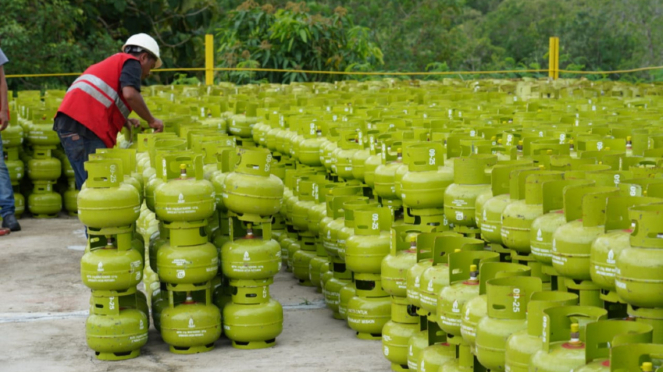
[43, 306]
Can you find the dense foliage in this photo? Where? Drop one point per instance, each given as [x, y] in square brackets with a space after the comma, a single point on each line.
[292, 38]
[407, 35]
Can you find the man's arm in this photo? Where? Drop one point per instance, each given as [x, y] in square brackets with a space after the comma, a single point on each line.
[4, 101]
[135, 100]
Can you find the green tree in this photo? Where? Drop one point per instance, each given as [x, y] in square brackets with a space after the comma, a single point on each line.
[61, 36]
[254, 36]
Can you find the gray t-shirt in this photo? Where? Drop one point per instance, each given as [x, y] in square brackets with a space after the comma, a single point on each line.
[3, 58]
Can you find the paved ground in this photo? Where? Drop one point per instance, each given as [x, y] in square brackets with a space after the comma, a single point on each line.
[43, 306]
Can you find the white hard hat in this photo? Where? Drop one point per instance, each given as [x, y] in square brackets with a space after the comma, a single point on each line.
[146, 42]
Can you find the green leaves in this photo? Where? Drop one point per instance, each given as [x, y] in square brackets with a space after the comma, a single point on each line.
[293, 38]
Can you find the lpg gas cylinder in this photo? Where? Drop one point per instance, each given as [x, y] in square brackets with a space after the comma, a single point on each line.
[111, 268]
[349, 142]
[585, 221]
[613, 333]
[254, 326]
[474, 309]
[185, 196]
[507, 301]
[115, 332]
[521, 345]
[638, 278]
[368, 315]
[517, 217]
[507, 189]
[191, 327]
[436, 278]
[636, 357]
[385, 186]
[607, 247]
[423, 184]
[470, 180]
[251, 257]
[543, 227]
[251, 189]
[564, 348]
[366, 249]
[403, 255]
[464, 285]
[105, 201]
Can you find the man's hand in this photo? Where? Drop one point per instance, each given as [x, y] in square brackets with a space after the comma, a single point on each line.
[157, 125]
[134, 122]
[4, 120]
[131, 123]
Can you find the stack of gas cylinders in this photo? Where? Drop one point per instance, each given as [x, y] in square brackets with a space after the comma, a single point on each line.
[485, 225]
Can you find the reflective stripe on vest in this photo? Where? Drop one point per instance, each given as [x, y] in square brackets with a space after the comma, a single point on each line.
[85, 83]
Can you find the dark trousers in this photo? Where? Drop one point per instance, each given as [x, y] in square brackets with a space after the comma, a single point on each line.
[78, 150]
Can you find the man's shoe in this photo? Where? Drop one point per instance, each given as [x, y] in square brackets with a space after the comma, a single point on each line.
[9, 221]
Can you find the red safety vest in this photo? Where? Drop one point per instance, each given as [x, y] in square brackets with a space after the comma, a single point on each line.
[95, 99]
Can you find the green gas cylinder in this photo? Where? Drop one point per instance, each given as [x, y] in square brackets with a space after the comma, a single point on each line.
[470, 180]
[104, 201]
[422, 185]
[416, 344]
[435, 279]
[254, 326]
[155, 244]
[507, 189]
[346, 293]
[477, 308]
[543, 227]
[368, 315]
[70, 198]
[507, 302]
[636, 357]
[332, 289]
[245, 118]
[251, 257]
[638, 278]
[385, 186]
[613, 333]
[349, 142]
[43, 202]
[607, 247]
[563, 342]
[111, 268]
[115, 332]
[464, 285]
[518, 216]
[188, 258]
[301, 259]
[185, 195]
[369, 244]
[346, 231]
[309, 148]
[464, 362]
[43, 167]
[653, 317]
[521, 345]
[372, 163]
[19, 203]
[191, 327]
[585, 221]
[403, 255]
[251, 189]
[360, 156]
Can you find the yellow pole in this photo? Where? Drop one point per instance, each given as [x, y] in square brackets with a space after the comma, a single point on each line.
[553, 58]
[556, 58]
[209, 59]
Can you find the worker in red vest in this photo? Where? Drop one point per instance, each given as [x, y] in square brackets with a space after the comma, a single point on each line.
[97, 105]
